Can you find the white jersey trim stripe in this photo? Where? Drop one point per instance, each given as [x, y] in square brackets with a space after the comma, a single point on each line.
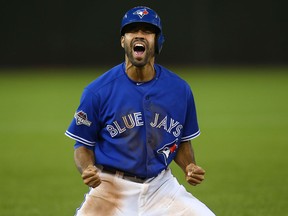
[190, 137]
[79, 139]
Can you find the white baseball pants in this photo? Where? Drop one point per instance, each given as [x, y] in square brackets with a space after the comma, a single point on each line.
[160, 196]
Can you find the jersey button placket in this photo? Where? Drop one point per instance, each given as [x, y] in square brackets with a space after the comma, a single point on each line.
[147, 102]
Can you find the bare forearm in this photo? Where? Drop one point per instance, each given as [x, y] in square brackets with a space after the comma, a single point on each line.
[85, 162]
[186, 160]
[185, 155]
[83, 158]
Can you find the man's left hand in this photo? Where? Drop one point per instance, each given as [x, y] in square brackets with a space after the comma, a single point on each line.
[194, 174]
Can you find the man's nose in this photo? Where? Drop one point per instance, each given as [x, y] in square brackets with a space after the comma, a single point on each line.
[140, 33]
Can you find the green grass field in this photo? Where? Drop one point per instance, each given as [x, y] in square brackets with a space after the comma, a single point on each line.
[243, 116]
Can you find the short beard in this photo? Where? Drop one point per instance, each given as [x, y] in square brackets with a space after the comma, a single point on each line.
[135, 62]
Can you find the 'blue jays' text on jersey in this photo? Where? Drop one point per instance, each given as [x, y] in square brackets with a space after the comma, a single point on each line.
[135, 127]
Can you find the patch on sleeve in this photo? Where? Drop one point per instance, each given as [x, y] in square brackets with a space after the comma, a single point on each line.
[82, 118]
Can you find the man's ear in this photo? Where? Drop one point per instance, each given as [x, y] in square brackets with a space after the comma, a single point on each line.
[122, 41]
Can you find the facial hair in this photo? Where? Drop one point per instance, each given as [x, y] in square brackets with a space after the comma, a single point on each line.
[138, 63]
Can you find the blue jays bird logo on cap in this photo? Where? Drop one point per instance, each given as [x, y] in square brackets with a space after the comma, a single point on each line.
[141, 13]
[168, 149]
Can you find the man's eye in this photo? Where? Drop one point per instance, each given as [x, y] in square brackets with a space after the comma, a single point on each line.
[148, 31]
[133, 30]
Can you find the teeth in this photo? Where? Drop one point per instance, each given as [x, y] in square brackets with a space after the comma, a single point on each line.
[139, 48]
[141, 45]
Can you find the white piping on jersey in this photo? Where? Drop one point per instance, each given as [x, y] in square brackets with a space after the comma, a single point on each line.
[192, 136]
[79, 139]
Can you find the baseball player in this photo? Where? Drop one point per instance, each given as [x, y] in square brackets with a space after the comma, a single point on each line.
[132, 122]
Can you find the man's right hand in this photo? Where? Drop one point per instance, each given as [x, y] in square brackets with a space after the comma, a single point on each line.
[91, 176]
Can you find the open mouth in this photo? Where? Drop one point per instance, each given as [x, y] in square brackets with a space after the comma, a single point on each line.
[138, 49]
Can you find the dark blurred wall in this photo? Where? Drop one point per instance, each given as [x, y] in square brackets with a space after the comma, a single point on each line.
[197, 32]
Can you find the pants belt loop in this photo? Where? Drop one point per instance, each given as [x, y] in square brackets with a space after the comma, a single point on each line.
[119, 174]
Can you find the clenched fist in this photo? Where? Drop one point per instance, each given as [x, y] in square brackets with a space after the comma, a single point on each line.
[91, 177]
[194, 174]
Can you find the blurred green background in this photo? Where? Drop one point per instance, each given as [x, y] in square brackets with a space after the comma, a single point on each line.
[243, 146]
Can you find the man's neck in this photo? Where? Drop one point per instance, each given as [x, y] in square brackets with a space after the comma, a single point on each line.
[140, 74]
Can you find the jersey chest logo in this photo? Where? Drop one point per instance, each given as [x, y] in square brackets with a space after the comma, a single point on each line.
[135, 119]
[168, 149]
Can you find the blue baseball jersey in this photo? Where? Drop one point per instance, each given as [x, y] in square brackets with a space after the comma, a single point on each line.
[135, 127]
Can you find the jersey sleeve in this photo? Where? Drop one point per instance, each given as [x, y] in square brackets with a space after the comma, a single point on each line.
[84, 125]
[191, 129]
